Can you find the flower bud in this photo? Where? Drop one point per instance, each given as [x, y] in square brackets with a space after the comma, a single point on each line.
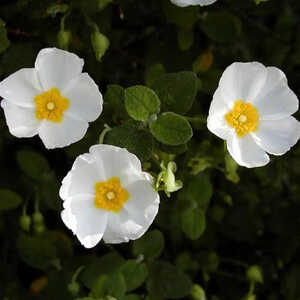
[38, 218]
[64, 39]
[254, 274]
[74, 288]
[25, 222]
[197, 292]
[39, 228]
[100, 44]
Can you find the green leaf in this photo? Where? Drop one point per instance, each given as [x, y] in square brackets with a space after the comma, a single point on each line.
[134, 273]
[153, 72]
[141, 102]
[115, 97]
[37, 252]
[112, 285]
[199, 191]
[231, 168]
[4, 42]
[168, 282]
[176, 91]
[135, 140]
[33, 164]
[184, 17]
[9, 200]
[171, 129]
[172, 149]
[222, 27]
[150, 245]
[132, 297]
[104, 265]
[193, 223]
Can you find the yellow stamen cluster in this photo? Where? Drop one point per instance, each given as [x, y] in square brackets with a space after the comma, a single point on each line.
[50, 105]
[244, 118]
[110, 195]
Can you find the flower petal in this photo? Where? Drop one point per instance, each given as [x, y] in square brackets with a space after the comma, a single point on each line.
[56, 68]
[216, 122]
[276, 100]
[81, 179]
[277, 137]
[62, 134]
[85, 99]
[184, 3]
[21, 87]
[117, 162]
[246, 152]
[143, 203]
[85, 220]
[21, 121]
[121, 228]
[242, 81]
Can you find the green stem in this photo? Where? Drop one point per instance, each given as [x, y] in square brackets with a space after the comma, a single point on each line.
[251, 288]
[103, 133]
[77, 272]
[90, 23]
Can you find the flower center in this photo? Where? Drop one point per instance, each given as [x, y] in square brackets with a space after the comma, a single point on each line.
[110, 195]
[50, 105]
[244, 118]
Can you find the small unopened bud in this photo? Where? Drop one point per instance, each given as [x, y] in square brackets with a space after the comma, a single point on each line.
[197, 292]
[64, 39]
[100, 44]
[254, 274]
[39, 228]
[38, 218]
[74, 288]
[25, 222]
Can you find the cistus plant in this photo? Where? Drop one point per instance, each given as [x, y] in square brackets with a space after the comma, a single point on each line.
[149, 149]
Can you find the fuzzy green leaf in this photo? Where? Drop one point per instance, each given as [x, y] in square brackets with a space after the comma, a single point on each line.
[171, 129]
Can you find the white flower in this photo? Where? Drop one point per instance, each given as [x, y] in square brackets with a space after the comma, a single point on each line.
[107, 195]
[54, 99]
[251, 110]
[184, 3]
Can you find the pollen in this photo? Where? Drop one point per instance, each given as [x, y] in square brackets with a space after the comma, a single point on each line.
[50, 105]
[110, 195]
[244, 118]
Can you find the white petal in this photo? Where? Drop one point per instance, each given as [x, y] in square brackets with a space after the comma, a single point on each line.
[121, 228]
[82, 178]
[56, 68]
[277, 137]
[85, 220]
[62, 134]
[184, 3]
[276, 100]
[85, 98]
[143, 203]
[21, 121]
[242, 81]
[117, 162]
[246, 152]
[216, 122]
[21, 87]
